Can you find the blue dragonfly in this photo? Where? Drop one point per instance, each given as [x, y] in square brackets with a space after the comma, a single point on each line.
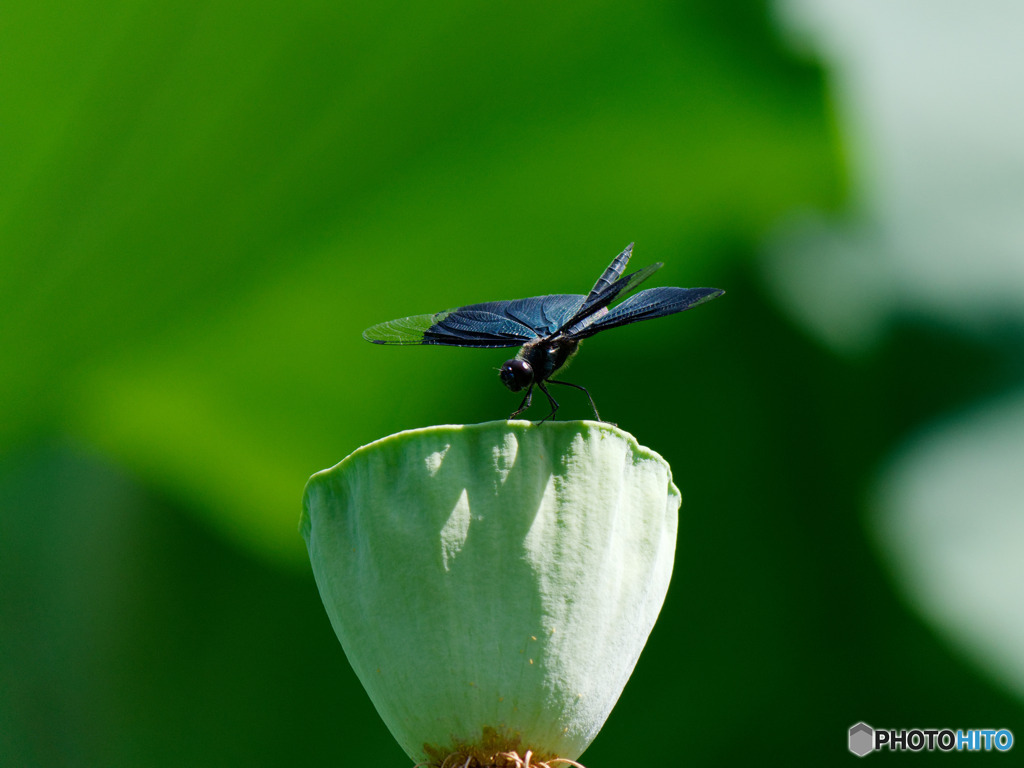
[548, 329]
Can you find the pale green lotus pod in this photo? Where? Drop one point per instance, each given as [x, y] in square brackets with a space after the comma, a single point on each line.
[493, 584]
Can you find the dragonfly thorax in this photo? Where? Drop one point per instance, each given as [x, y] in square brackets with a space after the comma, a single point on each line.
[537, 361]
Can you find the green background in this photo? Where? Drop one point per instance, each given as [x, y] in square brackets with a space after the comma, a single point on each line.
[202, 205]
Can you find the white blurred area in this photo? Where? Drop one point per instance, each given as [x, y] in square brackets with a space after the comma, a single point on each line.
[949, 518]
[929, 97]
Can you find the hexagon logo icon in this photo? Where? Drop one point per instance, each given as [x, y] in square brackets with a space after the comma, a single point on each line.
[862, 739]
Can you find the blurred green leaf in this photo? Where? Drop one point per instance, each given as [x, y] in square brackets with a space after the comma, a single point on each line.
[206, 204]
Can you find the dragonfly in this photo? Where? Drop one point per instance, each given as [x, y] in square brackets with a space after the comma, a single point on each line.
[548, 329]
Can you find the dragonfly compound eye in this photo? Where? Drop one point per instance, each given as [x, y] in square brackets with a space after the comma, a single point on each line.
[516, 374]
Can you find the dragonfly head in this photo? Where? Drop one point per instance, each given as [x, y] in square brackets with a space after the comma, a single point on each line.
[516, 374]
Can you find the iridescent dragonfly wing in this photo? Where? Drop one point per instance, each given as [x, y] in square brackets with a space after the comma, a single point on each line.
[490, 324]
[649, 304]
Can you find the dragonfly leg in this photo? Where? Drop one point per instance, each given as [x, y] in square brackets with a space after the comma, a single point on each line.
[568, 384]
[554, 403]
[525, 404]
